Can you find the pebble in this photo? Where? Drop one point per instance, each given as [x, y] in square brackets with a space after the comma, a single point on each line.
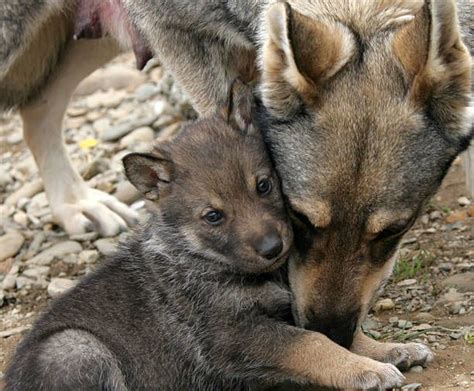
[142, 134]
[146, 91]
[435, 215]
[28, 190]
[424, 317]
[58, 250]
[452, 296]
[9, 282]
[416, 369]
[123, 128]
[404, 324]
[106, 246]
[10, 244]
[58, 286]
[127, 193]
[422, 327]
[463, 282]
[36, 272]
[89, 256]
[384, 305]
[456, 335]
[464, 201]
[407, 282]
[21, 218]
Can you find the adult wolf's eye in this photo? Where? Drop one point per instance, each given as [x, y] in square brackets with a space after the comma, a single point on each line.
[264, 186]
[214, 217]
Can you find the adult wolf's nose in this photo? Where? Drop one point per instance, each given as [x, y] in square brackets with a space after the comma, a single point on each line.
[270, 246]
[339, 329]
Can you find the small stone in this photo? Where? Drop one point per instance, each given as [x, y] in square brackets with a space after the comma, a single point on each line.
[422, 327]
[404, 324]
[58, 250]
[435, 215]
[106, 246]
[456, 335]
[127, 193]
[411, 387]
[425, 219]
[393, 320]
[384, 305]
[15, 138]
[407, 282]
[89, 256]
[142, 134]
[424, 317]
[123, 128]
[21, 218]
[10, 244]
[146, 91]
[58, 286]
[452, 296]
[463, 282]
[9, 282]
[36, 272]
[416, 369]
[162, 107]
[464, 201]
[87, 237]
[28, 190]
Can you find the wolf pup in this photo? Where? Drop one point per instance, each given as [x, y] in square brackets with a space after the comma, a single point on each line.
[195, 300]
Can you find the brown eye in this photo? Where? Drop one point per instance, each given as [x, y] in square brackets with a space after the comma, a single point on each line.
[214, 217]
[264, 186]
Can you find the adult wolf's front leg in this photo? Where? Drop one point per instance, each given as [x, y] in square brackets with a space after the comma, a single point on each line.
[75, 206]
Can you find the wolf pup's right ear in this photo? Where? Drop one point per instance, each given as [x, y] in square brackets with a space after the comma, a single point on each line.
[239, 108]
[150, 174]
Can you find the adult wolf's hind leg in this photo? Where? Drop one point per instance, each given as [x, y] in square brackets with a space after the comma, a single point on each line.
[75, 206]
[66, 361]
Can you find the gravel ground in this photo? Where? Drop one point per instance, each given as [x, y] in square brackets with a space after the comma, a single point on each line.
[117, 110]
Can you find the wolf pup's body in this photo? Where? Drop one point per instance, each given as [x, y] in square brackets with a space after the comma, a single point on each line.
[195, 300]
[365, 103]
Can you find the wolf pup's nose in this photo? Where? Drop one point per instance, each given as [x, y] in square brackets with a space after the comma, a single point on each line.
[270, 246]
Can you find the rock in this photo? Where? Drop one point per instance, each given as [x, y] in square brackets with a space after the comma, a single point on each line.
[28, 190]
[425, 219]
[463, 282]
[169, 132]
[87, 237]
[36, 272]
[450, 297]
[456, 217]
[15, 138]
[407, 282]
[108, 99]
[464, 201]
[89, 256]
[435, 215]
[470, 211]
[404, 324]
[10, 244]
[384, 305]
[416, 369]
[142, 134]
[456, 335]
[123, 128]
[162, 107]
[146, 91]
[412, 387]
[106, 246]
[9, 282]
[115, 77]
[5, 179]
[424, 317]
[422, 327]
[58, 286]
[127, 193]
[21, 218]
[58, 250]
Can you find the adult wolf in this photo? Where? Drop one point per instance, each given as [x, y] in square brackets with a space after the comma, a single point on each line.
[366, 105]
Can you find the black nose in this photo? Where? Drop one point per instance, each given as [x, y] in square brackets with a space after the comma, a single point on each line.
[339, 329]
[270, 246]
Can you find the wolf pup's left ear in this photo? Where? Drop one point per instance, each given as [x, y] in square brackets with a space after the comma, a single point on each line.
[239, 108]
[148, 173]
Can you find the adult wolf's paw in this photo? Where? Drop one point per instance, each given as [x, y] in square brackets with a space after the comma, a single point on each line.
[93, 210]
[373, 375]
[407, 355]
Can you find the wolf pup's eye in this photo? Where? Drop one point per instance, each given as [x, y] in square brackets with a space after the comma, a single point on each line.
[214, 217]
[264, 186]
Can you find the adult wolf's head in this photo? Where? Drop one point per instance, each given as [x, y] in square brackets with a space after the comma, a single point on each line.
[367, 106]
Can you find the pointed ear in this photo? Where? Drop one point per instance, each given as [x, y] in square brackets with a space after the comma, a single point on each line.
[299, 55]
[239, 108]
[150, 174]
[437, 63]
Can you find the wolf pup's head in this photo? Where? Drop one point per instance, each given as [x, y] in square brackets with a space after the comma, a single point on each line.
[215, 185]
[367, 106]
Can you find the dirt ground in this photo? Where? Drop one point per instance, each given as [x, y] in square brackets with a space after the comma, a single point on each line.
[422, 304]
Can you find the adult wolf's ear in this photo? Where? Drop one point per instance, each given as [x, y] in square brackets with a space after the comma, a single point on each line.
[150, 174]
[437, 64]
[239, 109]
[299, 55]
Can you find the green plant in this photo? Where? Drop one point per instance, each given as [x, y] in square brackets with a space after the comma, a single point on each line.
[411, 267]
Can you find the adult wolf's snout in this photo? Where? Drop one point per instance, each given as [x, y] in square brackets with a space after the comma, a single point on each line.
[339, 329]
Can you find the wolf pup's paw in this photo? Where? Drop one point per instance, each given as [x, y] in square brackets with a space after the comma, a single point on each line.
[378, 376]
[408, 355]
